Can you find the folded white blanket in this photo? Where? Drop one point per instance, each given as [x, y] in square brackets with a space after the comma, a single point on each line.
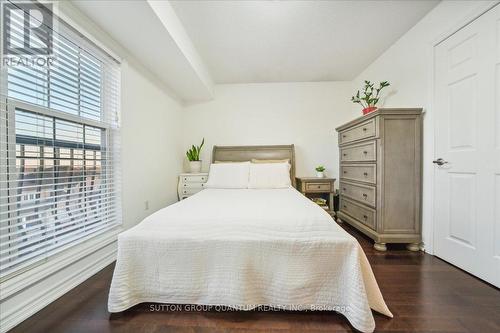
[246, 248]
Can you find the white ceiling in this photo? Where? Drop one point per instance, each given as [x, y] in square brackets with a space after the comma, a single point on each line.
[281, 41]
[152, 33]
[189, 45]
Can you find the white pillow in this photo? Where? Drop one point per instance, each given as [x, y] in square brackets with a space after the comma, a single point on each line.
[269, 175]
[228, 175]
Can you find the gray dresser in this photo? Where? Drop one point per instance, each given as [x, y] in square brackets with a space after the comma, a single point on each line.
[381, 176]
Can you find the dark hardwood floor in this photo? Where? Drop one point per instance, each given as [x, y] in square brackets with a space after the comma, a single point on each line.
[424, 293]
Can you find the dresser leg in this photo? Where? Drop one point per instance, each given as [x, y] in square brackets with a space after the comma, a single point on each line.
[380, 246]
[339, 221]
[413, 247]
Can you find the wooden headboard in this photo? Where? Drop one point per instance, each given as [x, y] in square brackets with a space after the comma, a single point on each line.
[246, 153]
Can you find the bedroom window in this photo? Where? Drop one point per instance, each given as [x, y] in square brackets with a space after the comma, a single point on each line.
[59, 156]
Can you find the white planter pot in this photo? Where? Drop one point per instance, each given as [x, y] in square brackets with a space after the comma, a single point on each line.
[320, 174]
[194, 166]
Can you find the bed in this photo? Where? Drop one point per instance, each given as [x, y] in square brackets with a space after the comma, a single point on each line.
[246, 248]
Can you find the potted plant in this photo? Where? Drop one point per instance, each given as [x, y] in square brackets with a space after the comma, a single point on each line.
[193, 156]
[320, 171]
[370, 97]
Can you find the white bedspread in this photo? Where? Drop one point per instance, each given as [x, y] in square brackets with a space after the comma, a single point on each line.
[246, 248]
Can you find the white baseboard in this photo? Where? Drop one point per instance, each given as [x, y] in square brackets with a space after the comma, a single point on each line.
[38, 301]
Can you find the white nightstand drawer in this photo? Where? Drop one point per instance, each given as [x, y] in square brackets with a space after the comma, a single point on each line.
[190, 191]
[194, 179]
[193, 185]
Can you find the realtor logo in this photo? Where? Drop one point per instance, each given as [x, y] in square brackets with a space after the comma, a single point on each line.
[27, 28]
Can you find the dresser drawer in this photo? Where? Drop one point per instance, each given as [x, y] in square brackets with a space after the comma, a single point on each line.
[362, 131]
[363, 214]
[194, 179]
[359, 153]
[318, 187]
[359, 172]
[362, 193]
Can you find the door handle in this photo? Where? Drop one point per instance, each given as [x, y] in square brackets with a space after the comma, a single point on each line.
[440, 161]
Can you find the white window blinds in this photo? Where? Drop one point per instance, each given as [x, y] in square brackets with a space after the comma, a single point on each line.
[60, 152]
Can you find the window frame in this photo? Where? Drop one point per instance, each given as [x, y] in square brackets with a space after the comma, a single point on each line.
[22, 278]
[60, 257]
[10, 132]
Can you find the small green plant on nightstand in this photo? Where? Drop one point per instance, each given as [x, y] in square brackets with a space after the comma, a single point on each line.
[193, 156]
[320, 171]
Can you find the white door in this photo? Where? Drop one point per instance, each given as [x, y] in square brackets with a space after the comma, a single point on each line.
[467, 134]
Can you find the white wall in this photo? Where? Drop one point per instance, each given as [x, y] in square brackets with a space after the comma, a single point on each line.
[408, 64]
[304, 114]
[151, 147]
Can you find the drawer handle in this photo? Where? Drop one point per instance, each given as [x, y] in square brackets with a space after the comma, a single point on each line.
[365, 174]
[365, 152]
[364, 129]
[365, 195]
[319, 186]
[185, 185]
[365, 217]
[345, 172]
[185, 178]
[344, 154]
[343, 189]
[343, 135]
[202, 178]
[345, 206]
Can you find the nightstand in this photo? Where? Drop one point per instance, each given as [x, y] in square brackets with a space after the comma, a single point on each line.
[191, 183]
[314, 187]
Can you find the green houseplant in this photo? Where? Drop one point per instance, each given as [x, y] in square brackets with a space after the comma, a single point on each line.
[193, 156]
[370, 96]
[320, 171]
